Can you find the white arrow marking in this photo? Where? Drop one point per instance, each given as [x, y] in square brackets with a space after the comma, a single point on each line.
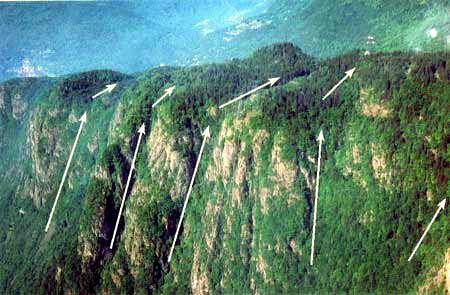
[271, 82]
[441, 207]
[167, 92]
[109, 88]
[348, 74]
[206, 134]
[141, 132]
[316, 197]
[83, 121]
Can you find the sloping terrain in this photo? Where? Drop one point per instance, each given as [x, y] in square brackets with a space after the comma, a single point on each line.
[329, 28]
[52, 39]
[248, 224]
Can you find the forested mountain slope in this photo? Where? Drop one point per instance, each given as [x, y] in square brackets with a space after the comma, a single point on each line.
[247, 229]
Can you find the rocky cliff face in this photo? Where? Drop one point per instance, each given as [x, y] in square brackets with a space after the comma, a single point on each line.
[46, 149]
[148, 224]
[247, 227]
[252, 183]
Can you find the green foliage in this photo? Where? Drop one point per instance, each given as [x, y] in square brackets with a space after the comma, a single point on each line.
[369, 219]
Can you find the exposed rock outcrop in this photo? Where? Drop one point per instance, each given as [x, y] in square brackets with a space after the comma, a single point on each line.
[46, 149]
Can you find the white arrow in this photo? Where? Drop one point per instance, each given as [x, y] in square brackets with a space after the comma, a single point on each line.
[206, 134]
[167, 92]
[109, 88]
[83, 121]
[348, 74]
[320, 139]
[141, 132]
[271, 82]
[441, 207]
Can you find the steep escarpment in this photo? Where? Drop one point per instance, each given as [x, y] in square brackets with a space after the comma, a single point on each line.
[252, 207]
[168, 157]
[17, 101]
[42, 139]
[252, 189]
[247, 227]
[150, 215]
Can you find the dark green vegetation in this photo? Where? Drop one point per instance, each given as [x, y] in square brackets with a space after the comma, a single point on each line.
[248, 224]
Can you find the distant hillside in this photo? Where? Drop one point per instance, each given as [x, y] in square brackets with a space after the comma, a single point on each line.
[328, 28]
[248, 224]
[56, 38]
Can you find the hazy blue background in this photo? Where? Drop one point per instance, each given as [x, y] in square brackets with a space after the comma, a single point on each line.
[55, 38]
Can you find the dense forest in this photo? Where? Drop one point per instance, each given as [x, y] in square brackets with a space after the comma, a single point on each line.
[247, 228]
